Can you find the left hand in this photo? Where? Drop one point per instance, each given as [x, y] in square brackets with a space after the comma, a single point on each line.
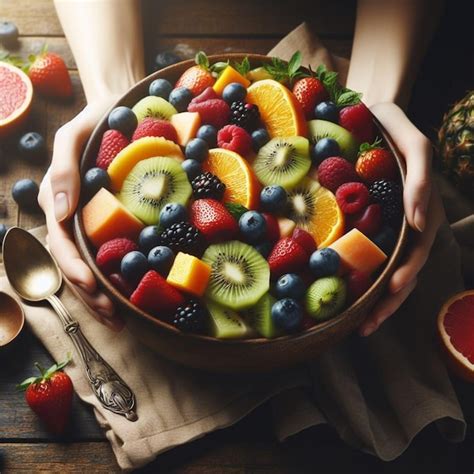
[423, 209]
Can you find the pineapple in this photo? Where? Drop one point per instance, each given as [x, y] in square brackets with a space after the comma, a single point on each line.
[456, 144]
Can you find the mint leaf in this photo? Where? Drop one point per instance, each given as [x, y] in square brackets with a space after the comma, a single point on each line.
[243, 67]
[235, 209]
[294, 63]
[202, 60]
[348, 97]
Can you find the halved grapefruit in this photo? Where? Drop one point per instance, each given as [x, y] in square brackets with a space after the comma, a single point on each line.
[456, 330]
[16, 94]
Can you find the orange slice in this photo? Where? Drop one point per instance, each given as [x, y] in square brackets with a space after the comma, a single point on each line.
[278, 107]
[456, 331]
[242, 187]
[315, 210]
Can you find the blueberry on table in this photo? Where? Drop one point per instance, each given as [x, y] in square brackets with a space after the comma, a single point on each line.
[324, 262]
[3, 231]
[133, 266]
[172, 213]
[25, 193]
[196, 149]
[165, 59]
[234, 92]
[192, 168]
[253, 226]
[273, 198]
[161, 259]
[327, 111]
[32, 147]
[290, 285]
[209, 134]
[160, 88]
[123, 119]
[287, 314]
[325, 148]
[93, 181]
[149, 237]
[8, 32]
[260, 137]
[180, 98]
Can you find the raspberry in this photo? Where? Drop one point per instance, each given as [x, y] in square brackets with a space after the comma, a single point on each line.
[389, 195]
[235, 139]
[334, 171]
[207, 185]
[152, 127]
[212, 111]
[183, 237]
[244, 115]
[352, 197]
[110, 254]
[191, 317]
[112, 143]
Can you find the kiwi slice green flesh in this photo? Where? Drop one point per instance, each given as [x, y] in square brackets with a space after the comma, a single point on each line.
[151, 184]
[259, 317]
[225, 323]
[301, 202]
[283, 161]
[323, 129]
[325, 297]
[155, 107]
[240, 276]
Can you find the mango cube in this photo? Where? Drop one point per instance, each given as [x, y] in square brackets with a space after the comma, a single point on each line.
[186, 125]
[189, 274]
[228, 75]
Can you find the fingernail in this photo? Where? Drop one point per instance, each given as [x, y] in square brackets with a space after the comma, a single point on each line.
[419, 218]
[367, 331]
[61, 206]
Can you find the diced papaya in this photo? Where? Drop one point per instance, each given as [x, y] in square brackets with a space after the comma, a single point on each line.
[228, 75]
[106, 218]
[358, 252]
[186, 125]
[189, 274]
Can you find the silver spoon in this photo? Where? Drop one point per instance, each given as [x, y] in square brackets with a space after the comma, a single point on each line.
[35, 276]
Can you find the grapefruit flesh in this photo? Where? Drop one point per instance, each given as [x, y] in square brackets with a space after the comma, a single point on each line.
[16, 94]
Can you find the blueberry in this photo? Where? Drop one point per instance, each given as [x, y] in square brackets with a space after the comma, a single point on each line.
[25, 194]
[290, 285]
[149, 237]
[165, 59]
[208, 133]
[161, 259]
[8, 32]
[133, 266]
[273, 198]
[253, 226]
[172, 213]
[234, 92]
[325, 148]
[3, 231]
[386, 239]
[32, 147]
[259, 138]
[327, 111]
[264, 249]
[94, 179]
[324, 262]
[192, 168]
[123, 119]
[196, 149]
[180, 98]
[160, 88]
[287, 314]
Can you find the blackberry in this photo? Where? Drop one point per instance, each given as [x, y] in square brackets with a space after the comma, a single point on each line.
[191, 317]
[389, 195]
[244, 115]
[207, 185]
[183, 237]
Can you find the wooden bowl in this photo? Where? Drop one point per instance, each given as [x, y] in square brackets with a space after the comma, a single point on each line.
[12, 319]
[203, 352]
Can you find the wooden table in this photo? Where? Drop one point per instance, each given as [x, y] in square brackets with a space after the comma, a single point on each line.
[250, 446]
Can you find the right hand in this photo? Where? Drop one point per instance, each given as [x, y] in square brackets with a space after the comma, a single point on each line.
[59, 196]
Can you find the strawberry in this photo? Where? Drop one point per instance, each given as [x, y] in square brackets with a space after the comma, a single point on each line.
[212, 111]
[213, 219]
[50, 396]
[152, 127]
[309, 91]
[207, 94]
[198, 77]
[358, 120]
[112, 143]
[155, 295]
[110, 254]
[121, 284]
[305, 239]
[375, 163]
[334, 171]
[369, 221]
[49, 75]
[287, 256]
[273, 229]
[234, 138]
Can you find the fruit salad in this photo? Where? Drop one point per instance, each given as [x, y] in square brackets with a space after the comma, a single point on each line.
[243, 203]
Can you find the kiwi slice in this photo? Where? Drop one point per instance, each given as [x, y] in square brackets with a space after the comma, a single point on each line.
[325, 297]
[240, 276]
[302, 203]
[226, 323]
[151, 184]
[283, 161]
[153, 106]
[323, 129]
[259, 317]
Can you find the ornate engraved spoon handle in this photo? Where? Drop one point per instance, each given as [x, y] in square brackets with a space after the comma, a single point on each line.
[112, 392]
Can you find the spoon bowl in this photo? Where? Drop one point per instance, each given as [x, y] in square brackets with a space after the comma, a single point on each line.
[12, 319]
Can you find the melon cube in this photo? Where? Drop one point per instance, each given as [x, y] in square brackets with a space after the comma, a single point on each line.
[189, 274]
[228, 75]
[186, 125]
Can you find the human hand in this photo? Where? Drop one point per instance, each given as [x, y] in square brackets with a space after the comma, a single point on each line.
[58, 197]
[423, 210]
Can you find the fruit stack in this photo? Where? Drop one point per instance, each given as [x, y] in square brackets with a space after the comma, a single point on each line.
[243, 203]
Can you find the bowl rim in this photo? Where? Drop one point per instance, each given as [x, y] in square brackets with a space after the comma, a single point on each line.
[86, 251]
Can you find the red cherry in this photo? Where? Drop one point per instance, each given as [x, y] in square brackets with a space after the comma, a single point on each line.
[369, 221]
[273, 229]
[357, 284]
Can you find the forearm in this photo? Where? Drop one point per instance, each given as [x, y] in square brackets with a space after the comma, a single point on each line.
[390, 39]
[106, 40]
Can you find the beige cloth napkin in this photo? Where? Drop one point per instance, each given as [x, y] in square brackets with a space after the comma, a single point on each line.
[378, 393]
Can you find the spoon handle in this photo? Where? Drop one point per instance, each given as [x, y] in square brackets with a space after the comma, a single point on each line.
[112, 392]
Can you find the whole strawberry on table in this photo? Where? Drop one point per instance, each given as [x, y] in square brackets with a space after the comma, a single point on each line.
[242, 202]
